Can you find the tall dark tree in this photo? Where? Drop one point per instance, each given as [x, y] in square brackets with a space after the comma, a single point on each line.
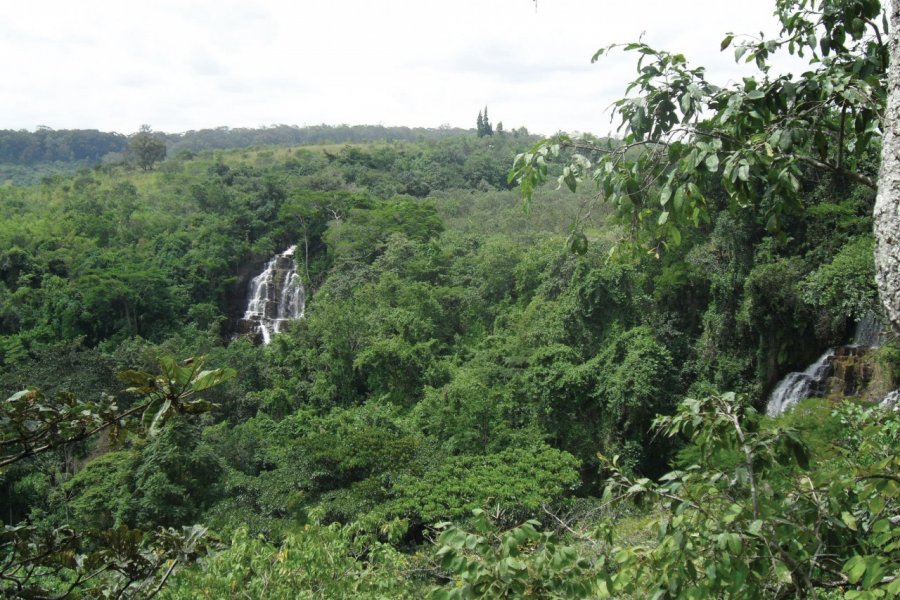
[147, 148]
[484, 124]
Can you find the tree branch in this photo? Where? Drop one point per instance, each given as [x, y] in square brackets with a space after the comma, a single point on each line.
[857, 177]
[162, 581]
[13, 458]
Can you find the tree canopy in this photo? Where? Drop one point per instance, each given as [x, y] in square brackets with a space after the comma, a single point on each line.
[467, 408]
[684, 138]
[147, 148]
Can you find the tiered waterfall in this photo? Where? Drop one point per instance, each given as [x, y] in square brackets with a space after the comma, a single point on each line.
[275, 297]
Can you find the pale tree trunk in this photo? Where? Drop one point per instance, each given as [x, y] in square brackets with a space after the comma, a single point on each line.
[887, 204]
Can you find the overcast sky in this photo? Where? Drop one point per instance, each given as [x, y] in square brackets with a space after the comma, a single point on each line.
[180, 65]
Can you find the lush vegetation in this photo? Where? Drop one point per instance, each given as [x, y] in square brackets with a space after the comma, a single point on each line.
[32, 156]
[469, 409]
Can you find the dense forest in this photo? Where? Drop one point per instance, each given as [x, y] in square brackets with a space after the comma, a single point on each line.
[29, 156]
[480, 401]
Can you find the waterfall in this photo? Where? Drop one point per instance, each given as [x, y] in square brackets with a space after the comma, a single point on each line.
[814, 380]
[798, 386]
[869, 332]
[891, 401]
[275, 297]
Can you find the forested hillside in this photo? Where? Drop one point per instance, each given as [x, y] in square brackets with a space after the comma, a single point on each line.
[479, 401]
[28, 157]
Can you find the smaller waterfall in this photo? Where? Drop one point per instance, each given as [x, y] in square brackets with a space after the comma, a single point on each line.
[814, 381]
[275, 297]
[799, 386]
[891, 401]
[869, 333]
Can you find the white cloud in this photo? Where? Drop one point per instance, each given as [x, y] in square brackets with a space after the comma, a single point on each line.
[190, 64]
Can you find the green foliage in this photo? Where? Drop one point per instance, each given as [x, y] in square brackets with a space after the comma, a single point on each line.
[483, 124]
[364, 232]
[889, 358]
[454, 356]
[175, 479]
[65, 366]
[315, 562]
[755, 138]
[97, 496]
[518, 481]
[173, 390]
[516, 563]
[45, 145]
[773, 310]
[635, 384]
[381, 340]
[113, 253]
[342, 462]
[239, 137]
[31, 423]
[752, 518]
[752, 526]
[833, 219]
[846, 285]
[116, 561]
[474, 413]
[120, 562]
[146, 148]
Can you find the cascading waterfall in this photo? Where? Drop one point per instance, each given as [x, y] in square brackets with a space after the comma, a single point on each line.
[275, 297]
[798, 386]
[814, 380]
[891, 401]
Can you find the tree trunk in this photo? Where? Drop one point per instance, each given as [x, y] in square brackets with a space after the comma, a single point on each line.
[887, 204]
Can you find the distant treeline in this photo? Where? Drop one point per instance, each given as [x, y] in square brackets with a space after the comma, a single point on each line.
[224, 137]
[65, 145]
[89, 145]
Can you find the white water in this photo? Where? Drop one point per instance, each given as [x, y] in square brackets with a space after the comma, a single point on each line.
[276, 296]
[811, 382]
[891, 401]
[798, 386]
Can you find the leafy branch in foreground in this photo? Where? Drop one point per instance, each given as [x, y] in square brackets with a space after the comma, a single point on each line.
[173, 391]
[519, 562]
[124, 563]
[750, 519]
[32, 423]
[755, 139]
[120, 562]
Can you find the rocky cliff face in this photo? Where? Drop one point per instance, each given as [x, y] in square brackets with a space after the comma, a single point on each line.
[854, 373]
[887, 203]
